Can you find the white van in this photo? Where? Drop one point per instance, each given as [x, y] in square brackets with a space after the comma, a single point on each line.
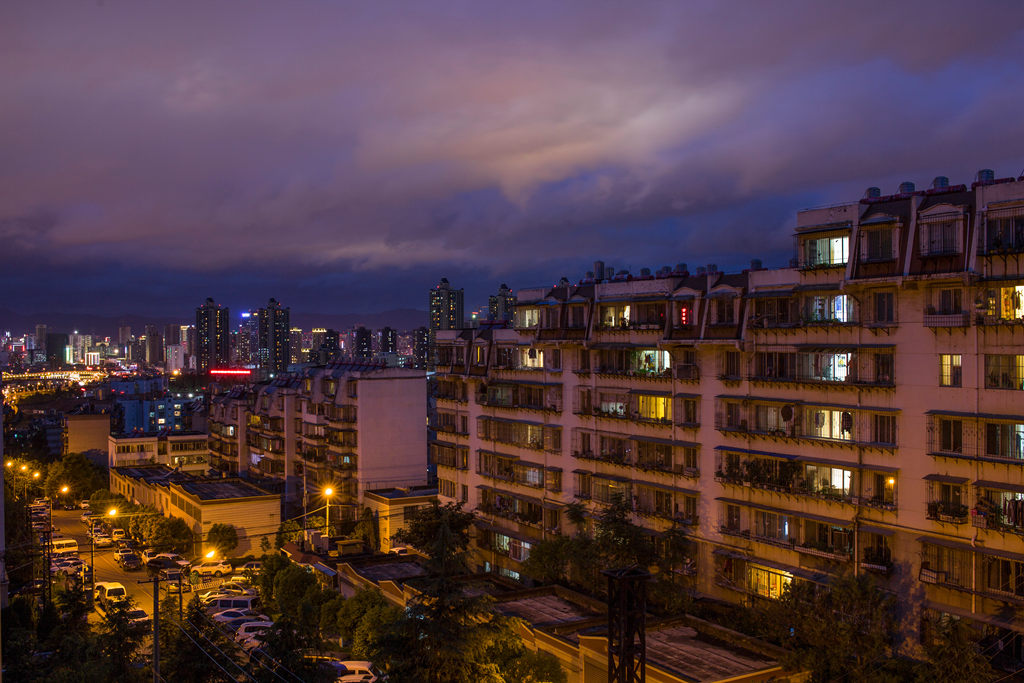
[62, 546]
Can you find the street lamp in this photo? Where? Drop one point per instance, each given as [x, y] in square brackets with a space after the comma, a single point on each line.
[328, 492]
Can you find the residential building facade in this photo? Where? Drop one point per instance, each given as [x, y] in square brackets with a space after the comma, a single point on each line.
[348, 426]
[858, 412]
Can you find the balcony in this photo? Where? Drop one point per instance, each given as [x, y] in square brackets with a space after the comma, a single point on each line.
[961, 319]
[877, 560]
[688, 372]
[950, 513]
[826, 552]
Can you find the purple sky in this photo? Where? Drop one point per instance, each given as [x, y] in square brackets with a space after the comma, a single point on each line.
[343, 157]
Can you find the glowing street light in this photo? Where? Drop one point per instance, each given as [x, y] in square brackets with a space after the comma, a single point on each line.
[328, 492]
[210, 555]
[64, 489]
[112, 512]
[24, 468]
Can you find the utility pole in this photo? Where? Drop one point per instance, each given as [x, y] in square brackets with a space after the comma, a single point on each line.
[156, 625]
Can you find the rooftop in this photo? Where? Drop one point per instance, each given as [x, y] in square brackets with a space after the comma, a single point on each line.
[391, 571]
[222, 489]
[546, 610]
[699, 658]
[404, 492]
[150, 474]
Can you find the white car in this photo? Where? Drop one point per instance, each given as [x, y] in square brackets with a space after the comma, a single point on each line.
[221, 591]
[250, 631]
[139, 616]
[178, 559]
[354, 671]
[102, 541]
[216, 568]
[232, 614]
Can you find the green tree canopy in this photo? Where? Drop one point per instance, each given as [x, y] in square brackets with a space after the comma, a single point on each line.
[76, 472]
[223, 537]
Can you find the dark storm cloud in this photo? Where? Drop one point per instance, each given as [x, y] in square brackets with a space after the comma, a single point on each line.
[356, 152]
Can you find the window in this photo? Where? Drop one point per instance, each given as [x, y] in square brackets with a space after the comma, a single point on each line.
[731, 365]
[946, 565]
[950, 371]
[941, 238]
[1006, 303]
[878, 245]
[1004, 371]
[826, 423]
[885, 489]
[655, 408]
[689, 411]
[885, 311]
[951, 436]
[768, 583]
[1005, 233]
[725, 310]
[950, 301]
[771, 525]
[527, 317]
[1003, 575]
[446, 488]
[732, 517]
[826, 251]
[1004, 440]
[884, 428]
[885, 368]
[828, 308]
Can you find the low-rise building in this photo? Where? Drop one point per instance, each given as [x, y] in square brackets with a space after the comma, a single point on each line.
[202, 502]
[391, 508]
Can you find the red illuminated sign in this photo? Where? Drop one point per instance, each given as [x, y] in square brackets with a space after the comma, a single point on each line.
[230, 372]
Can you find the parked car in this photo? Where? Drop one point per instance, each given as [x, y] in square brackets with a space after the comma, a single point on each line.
[118, 534]
[254, 567]
[84, 504]
[251, 629]
[353, 671]
[216, 568]
[102, 540]
[174, 580]
[118, 552]
[231, 614]
[139, 617]
[399, 550]
[148, 554]
[129, 561]
[109, 592]
[161, 562]
[235, 587]
[219, 603]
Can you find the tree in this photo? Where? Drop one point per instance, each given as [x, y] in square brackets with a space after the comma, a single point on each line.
[290, 531]
[119, 641]
[270, 566]
[223, 537]
[444, 634]
[298, 595]
[184, 644]
[170, 534]
[366, 530]
[517, 664]
[843, 631]
[954, 656]
[76, 472]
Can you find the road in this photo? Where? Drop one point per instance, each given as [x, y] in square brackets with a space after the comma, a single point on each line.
[70, 525]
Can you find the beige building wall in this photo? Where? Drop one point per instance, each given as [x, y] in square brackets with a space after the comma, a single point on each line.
[793, 421]
[86, 432]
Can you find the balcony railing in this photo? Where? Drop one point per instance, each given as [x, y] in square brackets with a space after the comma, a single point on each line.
[687, 372]
[961, 319]
[943, 511]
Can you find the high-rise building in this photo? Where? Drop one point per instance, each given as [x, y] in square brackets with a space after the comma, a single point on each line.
[58, 349]
[172, 334]
[362, 344]
[420, 347]
[317, 338]
[41, 331]
[212, 343]
[273, 349]
[154, 346]
[295, 345]
[388, 341]
[124, 336]
[501, 306]
[446, 313]
[446, 307]
[857, 412]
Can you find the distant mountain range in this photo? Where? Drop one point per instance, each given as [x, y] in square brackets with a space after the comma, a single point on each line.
[401, 319]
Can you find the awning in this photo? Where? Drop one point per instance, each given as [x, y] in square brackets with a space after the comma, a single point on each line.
[611, 477]
[825, 227]
[723, 294]
[688, 396]
[324, 569]
[664, 442]
[648, 392]
[945, 478]
[757, 399]
[664, 487]
[982, 416]
[867, 528]
[789, 513]
[767, 454]
[1001, 486]
[771, 294]
[616, 345]
[819, 287]
[522, 382]
[946, 542]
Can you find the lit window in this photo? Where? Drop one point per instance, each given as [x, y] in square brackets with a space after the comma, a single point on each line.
[950, 370]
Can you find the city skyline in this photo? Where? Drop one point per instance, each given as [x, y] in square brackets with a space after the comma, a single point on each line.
[242, 162]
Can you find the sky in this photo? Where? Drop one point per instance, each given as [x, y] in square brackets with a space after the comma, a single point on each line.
[344, 156]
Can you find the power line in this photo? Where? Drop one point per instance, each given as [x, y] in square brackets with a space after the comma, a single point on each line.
[208, 655]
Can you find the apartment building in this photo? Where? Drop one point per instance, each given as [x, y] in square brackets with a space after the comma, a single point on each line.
[347, 426]
[859, 411]
[184, 451]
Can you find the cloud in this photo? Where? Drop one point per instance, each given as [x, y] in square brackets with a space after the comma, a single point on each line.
[489, 139]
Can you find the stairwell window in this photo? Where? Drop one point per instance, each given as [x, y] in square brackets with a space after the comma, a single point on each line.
[885, 307]
[950, 370]
[884, 429]
[951, 436]
[1004, 371]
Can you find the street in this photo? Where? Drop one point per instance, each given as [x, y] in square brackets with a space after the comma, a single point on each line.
[70, 525]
